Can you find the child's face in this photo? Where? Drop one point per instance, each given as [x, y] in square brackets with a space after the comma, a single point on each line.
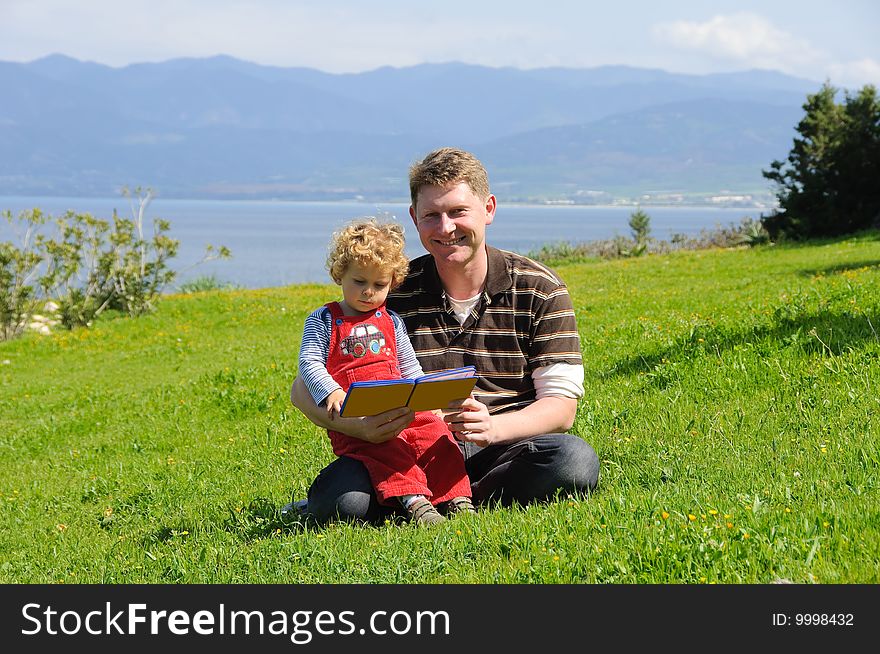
[364, 289]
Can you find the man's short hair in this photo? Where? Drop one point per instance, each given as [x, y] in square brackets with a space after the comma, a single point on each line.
[447, 166]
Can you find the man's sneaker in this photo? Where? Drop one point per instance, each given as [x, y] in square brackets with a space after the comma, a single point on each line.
[421, 512]
[294, 510]
[460, 505]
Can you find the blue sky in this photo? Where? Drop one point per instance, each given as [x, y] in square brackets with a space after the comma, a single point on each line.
[814, 40]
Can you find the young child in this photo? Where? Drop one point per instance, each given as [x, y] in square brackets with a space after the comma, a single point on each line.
[358, 339]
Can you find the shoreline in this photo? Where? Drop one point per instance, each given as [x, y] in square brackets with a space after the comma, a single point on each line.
[403, 203]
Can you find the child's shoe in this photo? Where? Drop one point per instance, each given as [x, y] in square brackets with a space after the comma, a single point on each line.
[297, 512]
[460, 505]
[422, 512]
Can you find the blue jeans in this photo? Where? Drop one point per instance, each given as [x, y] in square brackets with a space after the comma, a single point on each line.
[534, 469]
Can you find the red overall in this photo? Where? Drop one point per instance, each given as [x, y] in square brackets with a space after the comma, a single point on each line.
[424, 459]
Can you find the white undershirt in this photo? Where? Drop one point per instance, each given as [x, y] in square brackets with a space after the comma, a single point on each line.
[560, 380]
[557, 379]
[462, 308]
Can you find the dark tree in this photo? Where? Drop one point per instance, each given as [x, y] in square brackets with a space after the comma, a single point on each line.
[858, 161]
[829, 184]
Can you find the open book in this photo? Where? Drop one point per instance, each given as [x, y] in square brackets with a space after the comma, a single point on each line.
[432, 391]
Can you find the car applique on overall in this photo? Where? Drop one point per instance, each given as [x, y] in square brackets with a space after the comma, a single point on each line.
[363, 339]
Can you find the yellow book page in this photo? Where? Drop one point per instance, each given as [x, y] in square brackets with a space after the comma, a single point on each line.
[438, 394]
[372, 400]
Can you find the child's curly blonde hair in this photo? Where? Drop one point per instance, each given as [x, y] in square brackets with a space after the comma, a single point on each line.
[369, 243]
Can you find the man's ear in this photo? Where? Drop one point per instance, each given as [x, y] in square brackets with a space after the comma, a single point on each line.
[490, 209]
[412, 214]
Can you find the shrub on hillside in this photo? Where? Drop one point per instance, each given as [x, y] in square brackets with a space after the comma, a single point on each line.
[640, 226]
[205, 283]
[86, 266]
[19, 267]
[748, 232]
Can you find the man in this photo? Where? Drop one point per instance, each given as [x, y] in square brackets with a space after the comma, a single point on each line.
[466, 303]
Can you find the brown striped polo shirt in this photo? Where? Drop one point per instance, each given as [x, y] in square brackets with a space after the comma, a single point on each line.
[523, 321]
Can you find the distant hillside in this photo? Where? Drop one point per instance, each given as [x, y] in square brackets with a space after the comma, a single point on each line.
[222, 127]
[683, 147]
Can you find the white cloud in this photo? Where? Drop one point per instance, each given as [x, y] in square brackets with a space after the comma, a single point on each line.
[855, 73]
[749, 40]
[342, 37]
[744, 39]
[350, 36]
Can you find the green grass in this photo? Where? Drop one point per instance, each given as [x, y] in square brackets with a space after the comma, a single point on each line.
[732, 396]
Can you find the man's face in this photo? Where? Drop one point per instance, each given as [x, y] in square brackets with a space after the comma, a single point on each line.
[451, 221]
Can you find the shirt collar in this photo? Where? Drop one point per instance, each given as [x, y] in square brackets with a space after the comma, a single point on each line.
[498, 277]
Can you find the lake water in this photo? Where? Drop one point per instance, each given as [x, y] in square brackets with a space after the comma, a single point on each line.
[275, 243]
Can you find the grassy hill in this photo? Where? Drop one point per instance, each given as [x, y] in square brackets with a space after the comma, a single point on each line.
[732, 396]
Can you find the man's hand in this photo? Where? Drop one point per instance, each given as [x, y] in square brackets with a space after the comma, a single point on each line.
[469, 420]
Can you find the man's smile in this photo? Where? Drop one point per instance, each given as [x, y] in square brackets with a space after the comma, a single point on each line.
[453, 242]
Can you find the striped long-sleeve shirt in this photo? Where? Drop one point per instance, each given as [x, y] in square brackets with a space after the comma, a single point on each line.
[315, 348]
[524, 321]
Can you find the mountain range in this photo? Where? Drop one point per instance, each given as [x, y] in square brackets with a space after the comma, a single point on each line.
[220, 127]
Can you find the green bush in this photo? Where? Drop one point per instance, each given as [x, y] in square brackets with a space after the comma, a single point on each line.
[640, 224]
[87, 265]
[205, 283]
[19, 266]
[748, 232]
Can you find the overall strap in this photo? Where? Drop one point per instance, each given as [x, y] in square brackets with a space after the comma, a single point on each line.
[335, 310]
[336, 317]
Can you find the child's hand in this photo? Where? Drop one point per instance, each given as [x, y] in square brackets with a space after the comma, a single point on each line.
[334, 402]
